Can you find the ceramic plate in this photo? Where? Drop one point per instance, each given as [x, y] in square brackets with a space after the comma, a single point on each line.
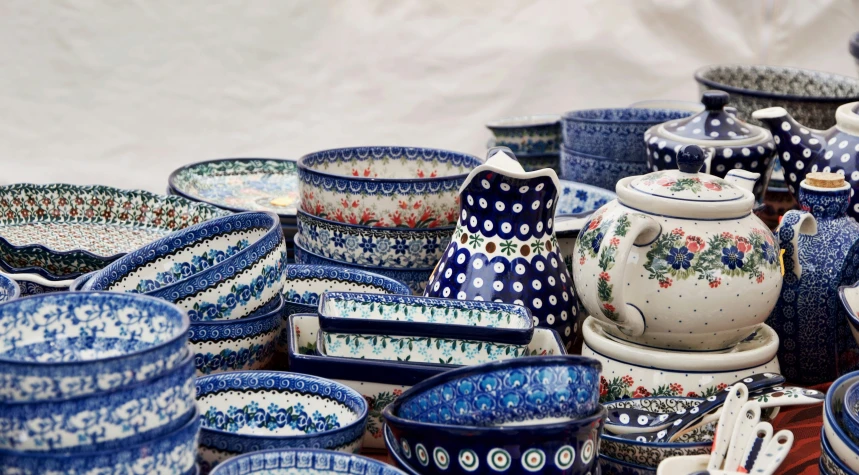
[61, 231]
[241, 184]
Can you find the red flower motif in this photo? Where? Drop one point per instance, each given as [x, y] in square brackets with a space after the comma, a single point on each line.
[338, 215]
[352, 219]
[691, 394]
[721, 386]
[366, 216]
[727, 235]
[594, 224]
[604, 276]
[433, 174]
[344, 202]
[581, 259]
[627, 380]
[603, 387]
[760, 278]
[397, 219]
[665, 283]
[743, 244]
[609, 307]
[355, 172]
[665, 181]
[713, 186]
[695, 243]
[614, 242]
[411, 221]
[678, 232]
[715, 283]
[640, 392]
[676, 388]
[805, 208]
[417, 204]
[420, 173]
[367, 171]
[397, 392]
[403, 205]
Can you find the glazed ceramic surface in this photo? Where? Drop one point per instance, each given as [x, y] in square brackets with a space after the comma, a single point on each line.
[225, 268]
[728, 142]
[60, 231]
[516, 416]
[611, 466]
[64, 345]
[679, 261]
[850, 301]
[168, 454]
[575, 198]
[504, 247]
[387, 187]
[303, 462]
[817, 345]
[829, 462]
[536, 134]
[636, 372]
[812, 96]
[232, 345]
[241, 184]
[613, 133]
[9, 289]
[598, 171]
[38, 286]
[415, 278]
[802, 150]
[843, 445]
[246, 411]
[850, 410]
[362, 245]
[380, 382]
[532, 163]
[103, 420]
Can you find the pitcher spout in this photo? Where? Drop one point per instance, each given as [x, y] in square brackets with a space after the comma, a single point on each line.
[742, 179]
[796, 144]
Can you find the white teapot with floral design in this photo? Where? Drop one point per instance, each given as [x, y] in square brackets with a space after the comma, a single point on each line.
[679, 261]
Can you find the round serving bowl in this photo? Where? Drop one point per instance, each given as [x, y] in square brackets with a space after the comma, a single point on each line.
[60, 231]
[829, 463]
[370, 246]
[843, 445]
[532, 163]
[298, 461]
[850, 410]
[63, 345]
[384, 186]
[613, 133]
[598, 171]
[515, 416]
[103, 420]
[416, 279]
[247, 411]
[531, 135]
[630, 370]
[811, 96]
[170, 453]
[225, 268]
[233, 345]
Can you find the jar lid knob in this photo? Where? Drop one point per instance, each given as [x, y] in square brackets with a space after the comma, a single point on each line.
[690, 159]
[714, 100]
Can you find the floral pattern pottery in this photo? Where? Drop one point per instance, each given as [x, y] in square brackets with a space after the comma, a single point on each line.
[504, 247]
[241, 184]
[247, 411]
[104, 420]
[829, 463]
[802, 150]
[168, 454]
[380, 382]
[597, 171]
[681, 251]
[576, 198]
[61, 231]
[728, 142]
[233, 345]
[631, 371]
[388, 187]
[531, 163]
[226, 268]
[850, 410]
[63, 345]
[844, 446]
[362, 245]
[534, 135]
[303, 462]
[497, 417]
[821, 253]
[812, 95]
[9, 289]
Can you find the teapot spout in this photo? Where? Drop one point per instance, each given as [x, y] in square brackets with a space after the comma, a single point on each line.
[794, 142]
[742, 179]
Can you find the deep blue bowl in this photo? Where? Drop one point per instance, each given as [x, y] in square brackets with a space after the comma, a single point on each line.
[290, 461]
[598, 171]
[515, 416]
[64, 356]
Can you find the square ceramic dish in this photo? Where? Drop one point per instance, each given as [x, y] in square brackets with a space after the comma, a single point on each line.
[372, 314]
[380, 382]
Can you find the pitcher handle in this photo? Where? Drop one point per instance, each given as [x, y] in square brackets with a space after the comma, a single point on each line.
[628, 230]
[793, 224]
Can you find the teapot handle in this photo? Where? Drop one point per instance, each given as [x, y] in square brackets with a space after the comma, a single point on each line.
[792, 225]
[628, 229]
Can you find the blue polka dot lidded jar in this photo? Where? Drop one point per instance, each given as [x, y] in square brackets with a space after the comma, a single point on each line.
[504, 247]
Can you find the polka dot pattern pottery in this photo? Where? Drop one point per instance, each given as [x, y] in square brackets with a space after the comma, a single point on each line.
[303, 462]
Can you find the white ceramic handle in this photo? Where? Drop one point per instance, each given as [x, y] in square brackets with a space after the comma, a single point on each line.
[725, 427]
[744, 430]
[793, 224]
[774, 453]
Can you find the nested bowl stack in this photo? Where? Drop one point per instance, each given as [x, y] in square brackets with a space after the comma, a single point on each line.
[294, 461]
[837, 434]
[536, 139]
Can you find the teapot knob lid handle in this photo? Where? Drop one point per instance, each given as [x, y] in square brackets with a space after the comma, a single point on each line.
[714, 100]
[690, 159]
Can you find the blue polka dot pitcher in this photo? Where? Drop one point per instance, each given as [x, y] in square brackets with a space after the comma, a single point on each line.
[504, 248]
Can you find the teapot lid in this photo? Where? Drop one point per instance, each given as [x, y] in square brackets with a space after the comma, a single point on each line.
[687, 183]
[715, 123]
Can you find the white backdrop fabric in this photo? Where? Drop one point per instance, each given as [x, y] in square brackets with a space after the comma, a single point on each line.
[123, 92]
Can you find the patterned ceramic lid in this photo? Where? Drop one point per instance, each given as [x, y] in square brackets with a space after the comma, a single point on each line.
[716, 122]
[687, 183]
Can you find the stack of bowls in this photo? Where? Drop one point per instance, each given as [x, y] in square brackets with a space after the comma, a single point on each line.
[95, 383]
[226, 273]
[536, 140]
[840, 435]
[854, 49]
[387, 210]
[516, 416]
[601, 146]
[293, 461]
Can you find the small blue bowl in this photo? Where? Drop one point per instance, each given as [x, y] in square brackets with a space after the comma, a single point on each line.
[850, 410]
[598, 171]
[295, 461]
[66, 356]
[516, 416]
[829, 463]
[9, 289]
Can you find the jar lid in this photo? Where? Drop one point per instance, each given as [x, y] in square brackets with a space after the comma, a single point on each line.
[715, 123]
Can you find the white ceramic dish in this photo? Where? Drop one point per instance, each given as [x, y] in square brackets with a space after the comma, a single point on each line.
[836, 434]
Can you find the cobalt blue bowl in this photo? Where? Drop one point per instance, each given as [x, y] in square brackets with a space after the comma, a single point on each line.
[65, 344]
[516, 416]
[598, 171]
[295, 461]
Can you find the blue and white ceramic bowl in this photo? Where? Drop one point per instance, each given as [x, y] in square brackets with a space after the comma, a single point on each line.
[246, 411]
[576, 198]
[400, 248]
[532, 163]
[9, 289]
[168, 454]
[302, 462]
[103, 420]
[613, 466]
[535, 134]
[225, 268]
[843, 445]
[599, 171]
[233, 345]
[829, 463]
[613, 133]
[850, 410]
[63, 345]
[415, 278]
[516, 416]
